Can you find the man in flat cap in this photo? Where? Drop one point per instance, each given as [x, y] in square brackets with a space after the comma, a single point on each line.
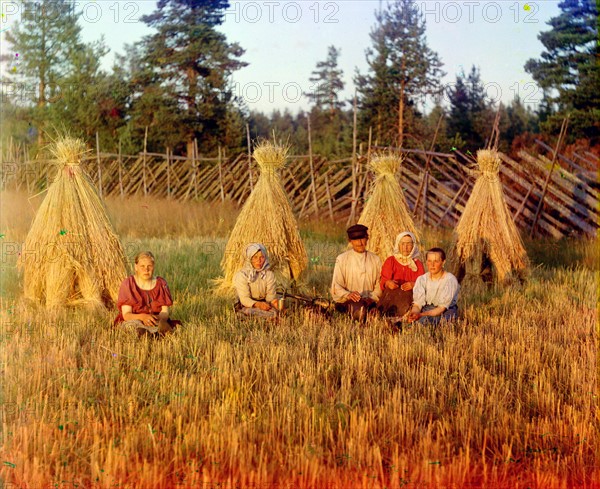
[355, 286]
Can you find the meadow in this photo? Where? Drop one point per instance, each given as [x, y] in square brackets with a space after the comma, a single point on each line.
[507, 397]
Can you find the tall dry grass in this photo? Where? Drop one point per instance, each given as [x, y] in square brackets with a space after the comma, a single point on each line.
[506, 397]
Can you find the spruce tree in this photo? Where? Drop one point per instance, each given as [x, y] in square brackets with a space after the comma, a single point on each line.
[188, 63]
[327, 82]
[471, 114]
[569, 71]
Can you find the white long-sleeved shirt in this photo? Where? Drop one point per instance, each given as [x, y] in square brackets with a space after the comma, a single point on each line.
[356, 272]
[442, 292]
[262, 289]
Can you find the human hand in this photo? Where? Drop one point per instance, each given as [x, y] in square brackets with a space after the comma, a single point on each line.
[354, 296]
[391, 284]
[413, 316]
[263, 306]
[148, 319]
[407, 286]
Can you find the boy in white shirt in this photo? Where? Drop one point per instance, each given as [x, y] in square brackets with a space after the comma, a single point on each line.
[435, 293]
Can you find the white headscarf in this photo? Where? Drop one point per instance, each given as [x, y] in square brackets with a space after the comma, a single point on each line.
[407, 260]
[248, 270]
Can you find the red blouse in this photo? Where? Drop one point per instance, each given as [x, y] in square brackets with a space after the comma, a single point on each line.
[392, 270]
[143, 301]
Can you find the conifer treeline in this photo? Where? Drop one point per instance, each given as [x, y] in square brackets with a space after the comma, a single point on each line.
[177, 82]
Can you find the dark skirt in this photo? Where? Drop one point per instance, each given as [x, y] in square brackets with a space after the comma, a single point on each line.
[357, 310]
[395, 302]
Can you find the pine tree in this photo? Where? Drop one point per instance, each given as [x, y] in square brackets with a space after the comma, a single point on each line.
[402, 71]
[188, 62]
[569, 70]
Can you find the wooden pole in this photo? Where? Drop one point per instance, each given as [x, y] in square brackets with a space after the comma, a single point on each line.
[98, 161]
[312, 170]
[249, 156]
[221, 176]
[369, 146]
[563, 131]
[120, 161]
[196, 162]
[401, 106]
[354, 164]
[452, 204]
[329, 203]
[424, 206]
[495, 134]
[423, 184]
[144, 162]
[522, 206]
[168, 173]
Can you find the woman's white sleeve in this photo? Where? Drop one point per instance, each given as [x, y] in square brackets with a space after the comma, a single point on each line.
[242, 289]
[419, 291]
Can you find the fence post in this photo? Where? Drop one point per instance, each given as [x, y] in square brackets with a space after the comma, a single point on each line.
[312, 170]
[168, 174]
[563, 131]
[144, 162]
[221, 176]
[196, 165]
[351, 217]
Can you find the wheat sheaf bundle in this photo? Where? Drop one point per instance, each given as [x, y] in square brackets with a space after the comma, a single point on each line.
[266, 218]
[486, 226]
[386, 213]
[72, 254]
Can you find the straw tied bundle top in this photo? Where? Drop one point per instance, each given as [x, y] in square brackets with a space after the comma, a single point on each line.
[74, 256]
[267, 218]
[486, 231]
[386, 213]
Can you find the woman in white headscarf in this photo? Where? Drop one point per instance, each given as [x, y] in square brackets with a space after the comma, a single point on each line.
[399, 274]
[255, 283]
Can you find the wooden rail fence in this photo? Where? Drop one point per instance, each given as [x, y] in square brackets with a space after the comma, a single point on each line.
[321, 188]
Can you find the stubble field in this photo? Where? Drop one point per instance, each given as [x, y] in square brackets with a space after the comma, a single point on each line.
[507, 397]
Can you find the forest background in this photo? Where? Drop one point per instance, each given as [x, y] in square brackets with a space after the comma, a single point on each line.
[179, 82]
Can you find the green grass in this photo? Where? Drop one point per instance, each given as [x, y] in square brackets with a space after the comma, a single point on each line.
[505, 397]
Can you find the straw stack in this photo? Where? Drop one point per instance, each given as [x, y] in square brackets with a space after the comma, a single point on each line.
[266, 218]
[72, 254]
[486, 231]
[386, 213]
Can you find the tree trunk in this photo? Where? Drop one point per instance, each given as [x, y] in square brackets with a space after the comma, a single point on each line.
[401, 116]
[401, 106]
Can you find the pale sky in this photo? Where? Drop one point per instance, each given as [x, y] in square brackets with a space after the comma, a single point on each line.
[285, 39]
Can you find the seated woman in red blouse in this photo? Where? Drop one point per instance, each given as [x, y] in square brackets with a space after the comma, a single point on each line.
[399, 274]
[144, 299]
